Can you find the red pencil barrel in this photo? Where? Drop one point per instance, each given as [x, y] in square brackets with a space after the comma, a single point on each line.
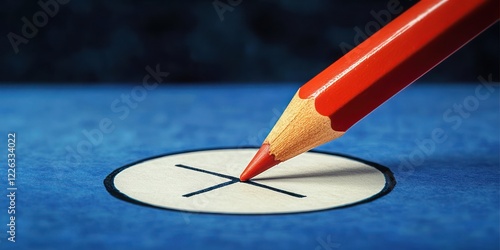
[396, 56]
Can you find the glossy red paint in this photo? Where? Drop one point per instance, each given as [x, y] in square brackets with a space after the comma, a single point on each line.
[396, 56]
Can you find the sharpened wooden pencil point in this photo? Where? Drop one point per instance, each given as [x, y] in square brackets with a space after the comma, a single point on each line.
[406, 48]
[261, 162]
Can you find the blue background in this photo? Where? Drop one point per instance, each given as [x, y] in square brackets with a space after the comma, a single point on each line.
[449, 200]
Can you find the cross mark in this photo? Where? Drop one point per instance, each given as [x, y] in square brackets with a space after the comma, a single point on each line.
[232, 180]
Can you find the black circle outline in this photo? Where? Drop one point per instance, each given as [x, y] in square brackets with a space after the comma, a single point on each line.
[390, 183]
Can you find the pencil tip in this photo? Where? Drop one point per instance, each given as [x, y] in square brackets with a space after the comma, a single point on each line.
[261, 162]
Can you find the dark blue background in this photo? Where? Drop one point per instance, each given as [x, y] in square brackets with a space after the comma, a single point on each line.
[258, 41]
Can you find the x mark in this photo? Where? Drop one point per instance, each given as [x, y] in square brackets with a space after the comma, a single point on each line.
[232, 180]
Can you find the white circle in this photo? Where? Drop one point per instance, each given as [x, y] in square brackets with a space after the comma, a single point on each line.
[207, 182]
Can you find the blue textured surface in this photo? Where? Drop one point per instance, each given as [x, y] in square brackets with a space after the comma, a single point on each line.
[450, 199]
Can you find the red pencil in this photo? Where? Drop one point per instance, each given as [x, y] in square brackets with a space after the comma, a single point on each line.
[398, 54]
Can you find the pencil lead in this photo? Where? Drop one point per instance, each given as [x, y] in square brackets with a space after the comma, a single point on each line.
[261, 162]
